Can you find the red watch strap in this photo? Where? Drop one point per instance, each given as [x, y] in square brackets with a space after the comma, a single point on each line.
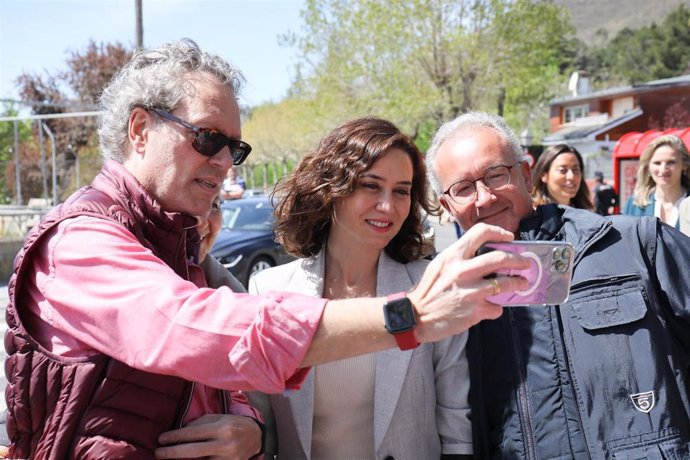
[406, 340]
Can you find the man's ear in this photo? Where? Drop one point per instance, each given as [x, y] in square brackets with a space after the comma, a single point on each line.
[137, 129]
[444, 203]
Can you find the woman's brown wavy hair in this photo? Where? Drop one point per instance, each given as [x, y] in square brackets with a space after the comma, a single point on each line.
[305, 198]
[540, 192]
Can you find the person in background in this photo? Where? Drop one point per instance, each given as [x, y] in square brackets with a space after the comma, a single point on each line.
[663, 180]
[233, 186]
[208, 227]
[557, 177]
[114, 338]
[351, 209]
[602, 375]
[605, 197]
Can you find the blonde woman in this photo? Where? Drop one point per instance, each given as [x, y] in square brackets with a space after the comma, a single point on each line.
[663, 180]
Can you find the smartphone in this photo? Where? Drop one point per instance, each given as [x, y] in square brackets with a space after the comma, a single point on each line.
[549, 274]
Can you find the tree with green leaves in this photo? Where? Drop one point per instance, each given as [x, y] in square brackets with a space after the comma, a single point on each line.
[283, 130]
[76, 89]
[654, 52]
[424, 61]
[649, 53]
[8, 152]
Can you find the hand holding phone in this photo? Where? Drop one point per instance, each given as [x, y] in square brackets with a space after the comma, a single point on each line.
[549, 273]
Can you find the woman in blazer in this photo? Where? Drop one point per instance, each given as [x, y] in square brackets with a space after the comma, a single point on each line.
[663, 180]
[351, 210]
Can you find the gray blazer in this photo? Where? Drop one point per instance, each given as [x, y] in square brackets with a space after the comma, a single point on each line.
[409, 422]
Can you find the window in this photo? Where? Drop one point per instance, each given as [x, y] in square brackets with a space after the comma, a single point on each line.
[573, 113]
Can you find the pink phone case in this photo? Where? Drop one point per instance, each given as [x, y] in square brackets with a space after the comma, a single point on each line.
[549, 274]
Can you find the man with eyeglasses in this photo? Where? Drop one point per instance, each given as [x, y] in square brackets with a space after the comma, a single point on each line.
[603, 375]
[116, 346]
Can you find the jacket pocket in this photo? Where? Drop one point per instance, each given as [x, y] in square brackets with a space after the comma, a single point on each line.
[616, 358]
[661, 448]
[607, 302]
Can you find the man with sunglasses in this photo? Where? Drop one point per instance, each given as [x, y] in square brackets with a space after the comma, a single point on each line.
[603, 375]
[116, 347]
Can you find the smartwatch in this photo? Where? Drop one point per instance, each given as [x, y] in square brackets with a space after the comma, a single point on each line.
[400, 320]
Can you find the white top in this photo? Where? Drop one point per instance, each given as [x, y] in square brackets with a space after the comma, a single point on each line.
[343, 427]
[675, 213]
[684, 215]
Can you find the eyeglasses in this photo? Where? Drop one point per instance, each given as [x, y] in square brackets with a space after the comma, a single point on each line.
[495, 178]
[209, 141]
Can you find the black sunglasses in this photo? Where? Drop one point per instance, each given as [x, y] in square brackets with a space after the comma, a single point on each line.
[209, 141]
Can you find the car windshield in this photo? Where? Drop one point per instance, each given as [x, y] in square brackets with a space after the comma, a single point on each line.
[245, 216]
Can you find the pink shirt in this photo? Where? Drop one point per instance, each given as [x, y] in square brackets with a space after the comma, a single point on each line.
[97, 289]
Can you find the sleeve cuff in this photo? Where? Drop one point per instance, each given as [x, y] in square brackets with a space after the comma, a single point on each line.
[258, 455]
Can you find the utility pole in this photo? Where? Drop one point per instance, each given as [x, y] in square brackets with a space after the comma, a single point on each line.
[140, 24]
[18, 176]
[44, 172]
[53, 156]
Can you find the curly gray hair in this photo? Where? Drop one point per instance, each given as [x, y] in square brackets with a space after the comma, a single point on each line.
[154, 78]
[467, 121]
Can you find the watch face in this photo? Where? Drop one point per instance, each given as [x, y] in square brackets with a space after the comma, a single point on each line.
[399, 315]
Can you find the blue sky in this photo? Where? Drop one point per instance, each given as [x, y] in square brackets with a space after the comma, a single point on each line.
[36, 35]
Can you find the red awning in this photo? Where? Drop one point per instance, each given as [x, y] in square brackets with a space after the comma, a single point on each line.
[632, 144]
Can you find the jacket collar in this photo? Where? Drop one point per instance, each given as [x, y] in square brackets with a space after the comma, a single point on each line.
[551, 222]
[162, 229]
[115, 176]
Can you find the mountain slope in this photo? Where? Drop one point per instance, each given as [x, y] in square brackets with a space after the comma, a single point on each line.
[589, 16]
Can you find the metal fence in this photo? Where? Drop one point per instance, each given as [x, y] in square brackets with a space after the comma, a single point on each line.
[15, 221]
[50, 167]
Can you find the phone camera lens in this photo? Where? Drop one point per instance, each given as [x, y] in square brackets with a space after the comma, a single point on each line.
[556, 253]
[566, 253]
[560, 266]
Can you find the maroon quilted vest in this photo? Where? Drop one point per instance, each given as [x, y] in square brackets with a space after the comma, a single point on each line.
[96, 407]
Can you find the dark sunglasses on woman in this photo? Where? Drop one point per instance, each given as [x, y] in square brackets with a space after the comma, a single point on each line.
[209, 141]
